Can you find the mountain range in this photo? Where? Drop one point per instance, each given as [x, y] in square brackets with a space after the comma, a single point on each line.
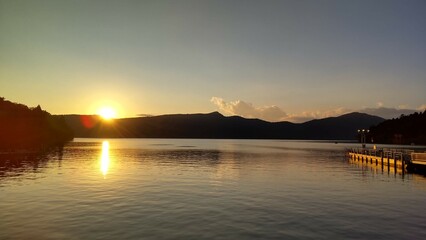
[215, 125]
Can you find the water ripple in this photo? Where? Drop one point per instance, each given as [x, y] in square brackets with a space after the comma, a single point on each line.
[206, 189]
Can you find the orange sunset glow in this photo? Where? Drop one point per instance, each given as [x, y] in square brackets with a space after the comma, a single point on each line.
[212, 119]
[107, 113]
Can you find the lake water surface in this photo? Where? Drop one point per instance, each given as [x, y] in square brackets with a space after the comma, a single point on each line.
[206, 189]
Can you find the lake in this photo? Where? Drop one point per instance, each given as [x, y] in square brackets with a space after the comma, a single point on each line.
[206, 189]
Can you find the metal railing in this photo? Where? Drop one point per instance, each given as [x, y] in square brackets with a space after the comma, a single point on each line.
[391, 153]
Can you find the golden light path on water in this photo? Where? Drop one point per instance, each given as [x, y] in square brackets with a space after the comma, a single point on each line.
[105, 161]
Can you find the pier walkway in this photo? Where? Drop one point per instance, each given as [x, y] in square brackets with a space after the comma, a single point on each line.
[407, 160]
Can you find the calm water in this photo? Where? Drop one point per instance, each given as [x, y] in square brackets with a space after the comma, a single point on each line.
[206, 189]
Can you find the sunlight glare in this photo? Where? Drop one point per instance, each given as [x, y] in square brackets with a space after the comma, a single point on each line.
[105, 158]
[107, 113]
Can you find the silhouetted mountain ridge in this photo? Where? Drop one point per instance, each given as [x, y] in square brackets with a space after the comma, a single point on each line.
[24, 127]
[215, 125]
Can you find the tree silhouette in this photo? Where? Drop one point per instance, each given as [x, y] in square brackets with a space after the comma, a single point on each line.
[409, 129]
[23, 127]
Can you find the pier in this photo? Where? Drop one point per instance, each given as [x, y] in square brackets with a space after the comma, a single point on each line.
[404, 159]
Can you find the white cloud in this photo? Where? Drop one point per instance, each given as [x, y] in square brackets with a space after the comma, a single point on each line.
[422, 108]
[245, 109]
[387, 113]
[276, 114]
[271, 113]
[384, 112]
[402, 106]
[306, 116]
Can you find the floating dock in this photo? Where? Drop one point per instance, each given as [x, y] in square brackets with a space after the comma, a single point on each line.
[404, 159]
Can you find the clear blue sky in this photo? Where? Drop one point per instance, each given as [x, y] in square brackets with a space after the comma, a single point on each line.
[305, 58]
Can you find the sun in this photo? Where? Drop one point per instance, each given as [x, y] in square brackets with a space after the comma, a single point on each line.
[107, 113]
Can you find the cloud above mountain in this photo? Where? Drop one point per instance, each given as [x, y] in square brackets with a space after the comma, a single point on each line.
[387, 113]
[274, 113]
[309, 115]
[271, 113]
[246, 109]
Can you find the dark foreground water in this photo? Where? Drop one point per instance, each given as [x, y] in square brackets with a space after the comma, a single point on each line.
[206, 189]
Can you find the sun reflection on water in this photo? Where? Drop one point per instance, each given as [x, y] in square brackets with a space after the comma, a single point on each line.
[105, 158]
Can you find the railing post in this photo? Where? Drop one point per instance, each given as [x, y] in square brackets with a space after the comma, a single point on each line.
[394, 161]
[403, 164]
[388, 160]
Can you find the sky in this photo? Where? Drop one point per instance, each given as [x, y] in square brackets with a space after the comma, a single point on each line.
[274, 60]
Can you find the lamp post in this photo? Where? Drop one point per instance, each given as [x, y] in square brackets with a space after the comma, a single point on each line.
[363, 136]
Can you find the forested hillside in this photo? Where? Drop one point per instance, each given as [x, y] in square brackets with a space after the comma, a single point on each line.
[24, 127]
[409, 129]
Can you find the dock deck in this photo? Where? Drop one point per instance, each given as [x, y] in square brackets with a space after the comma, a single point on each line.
[418, 158]
[397, 158]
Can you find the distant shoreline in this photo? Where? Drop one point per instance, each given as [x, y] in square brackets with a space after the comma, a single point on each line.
[216, 126]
